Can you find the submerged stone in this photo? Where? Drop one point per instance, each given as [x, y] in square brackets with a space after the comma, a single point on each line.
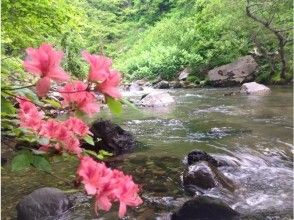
[205, 208]
[44, 204]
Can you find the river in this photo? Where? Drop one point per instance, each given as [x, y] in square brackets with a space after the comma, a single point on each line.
[254, 132]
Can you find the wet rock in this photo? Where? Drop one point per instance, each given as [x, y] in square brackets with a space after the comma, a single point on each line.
[157, 99]
[200, 176]
[162, 85]
[44, 203]
[235, 73]
[197, 156]
[166, 203]
[254, 88]
[183, 75]
[135, 87]
[205, 208]
[111, 137]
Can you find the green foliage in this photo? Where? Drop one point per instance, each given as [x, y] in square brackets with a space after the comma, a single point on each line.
[201, 36]
[114, 105]
[147, 39]
[101, 155]
[89, 140]
[6, 106]
[24, 159]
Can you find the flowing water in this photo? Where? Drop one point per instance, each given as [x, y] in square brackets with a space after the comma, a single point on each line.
[253, 133]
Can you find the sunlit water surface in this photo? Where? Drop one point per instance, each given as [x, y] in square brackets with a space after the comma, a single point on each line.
[254, 133]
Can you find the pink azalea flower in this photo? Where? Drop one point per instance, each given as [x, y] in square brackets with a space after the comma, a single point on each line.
[77, 126]
[75, 94]
[127, 195]
[108, 186]
[99, 66]
[110, 85]
[49, 129]
[29, 115]
[45, 62]
[72, 145]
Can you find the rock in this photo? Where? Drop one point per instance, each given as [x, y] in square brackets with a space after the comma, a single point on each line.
[162, 85]
[234, 73]
[199, 176]
[176, 84]
[111, 137]
[254, 88]
[205, 208]
[157, 99]
[184, 74]
[141, 82]
[197, 156]
[134, 87]
[44, 203]
[148, 84]
[202, 83]
[202, 174]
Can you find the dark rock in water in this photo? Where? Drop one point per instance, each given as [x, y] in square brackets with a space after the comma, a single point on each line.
[197, 156]
[44, 204]
[202, 174]
[162, 85]
[199, 175]
[111, 137]
[205, 208]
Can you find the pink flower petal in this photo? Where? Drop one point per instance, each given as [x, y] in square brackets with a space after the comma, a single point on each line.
[43, 86]
[122, 209]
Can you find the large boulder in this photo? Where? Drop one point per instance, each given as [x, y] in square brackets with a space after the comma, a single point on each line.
[254, 88]
[205, 208]
[111, 137]
[183, 75]
[234, 73]
[44, 203]
[162, 85]
[157, 99]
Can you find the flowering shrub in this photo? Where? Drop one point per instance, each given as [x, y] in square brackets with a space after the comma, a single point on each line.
[105, 184]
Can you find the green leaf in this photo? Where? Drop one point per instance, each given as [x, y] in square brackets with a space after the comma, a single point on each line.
[105, 153]
[41, 163]
[115, 106]
[94, 154]
[89, 140]
[53, 103]
[21, 161]
[6, 106]
[128, 103]
[29, 94]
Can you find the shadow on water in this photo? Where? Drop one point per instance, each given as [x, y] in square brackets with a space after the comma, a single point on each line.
[254, 134]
